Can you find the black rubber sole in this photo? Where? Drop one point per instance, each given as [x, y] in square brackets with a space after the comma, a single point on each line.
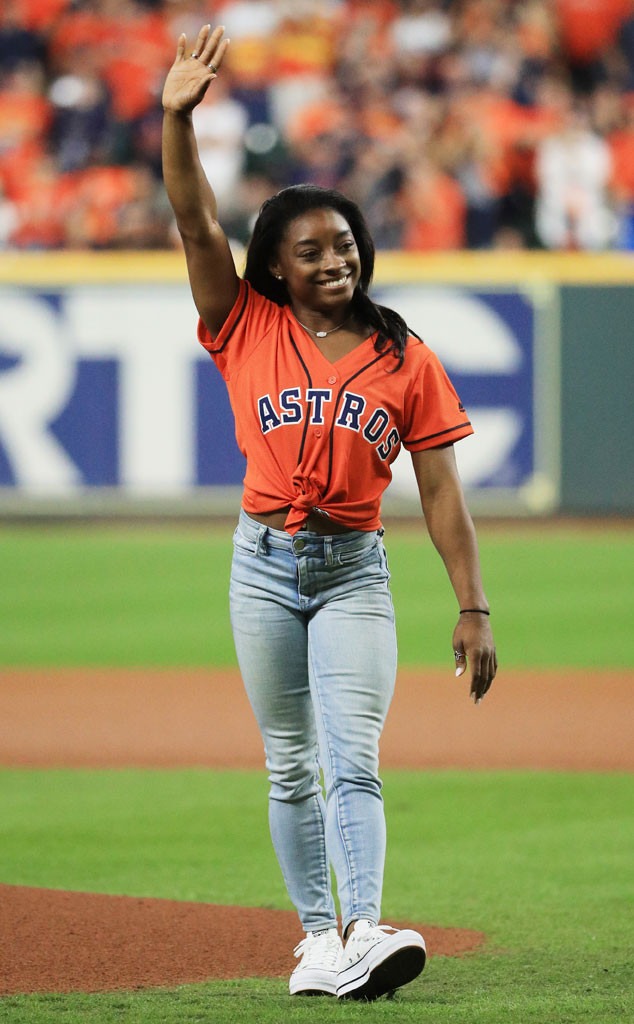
[399, 969]
[313, 992]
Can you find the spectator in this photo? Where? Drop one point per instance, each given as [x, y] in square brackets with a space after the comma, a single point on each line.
[9, 220]
[220, 124]
[303, 57]
[433, 209]
[19, 43]
[81, 129]
[391, 101]
[573, 174]
[25, 117]
[251, 25]
[43, 199]
[420, 32]
[621, 143]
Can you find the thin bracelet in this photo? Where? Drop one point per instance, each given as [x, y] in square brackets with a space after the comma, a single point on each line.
[480, 611]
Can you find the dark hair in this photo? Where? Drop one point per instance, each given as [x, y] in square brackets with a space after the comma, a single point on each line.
[275, 215]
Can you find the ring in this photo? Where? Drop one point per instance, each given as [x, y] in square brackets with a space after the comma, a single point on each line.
[458, 655]
[194, 56]
[212, 67]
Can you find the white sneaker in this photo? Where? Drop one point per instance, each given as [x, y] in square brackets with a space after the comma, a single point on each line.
[316, 973]
[378, 959]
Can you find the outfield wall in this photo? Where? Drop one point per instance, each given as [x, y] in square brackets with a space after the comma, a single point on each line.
[108, 404]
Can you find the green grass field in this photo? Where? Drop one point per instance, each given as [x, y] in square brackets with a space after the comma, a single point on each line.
[540, 862]
[156, 595]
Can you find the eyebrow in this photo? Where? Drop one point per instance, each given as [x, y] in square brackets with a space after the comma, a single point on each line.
[315, 241]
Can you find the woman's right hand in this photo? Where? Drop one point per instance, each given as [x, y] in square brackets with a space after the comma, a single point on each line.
[190, 76]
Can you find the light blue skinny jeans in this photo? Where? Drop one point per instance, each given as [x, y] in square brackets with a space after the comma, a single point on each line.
[313, 624]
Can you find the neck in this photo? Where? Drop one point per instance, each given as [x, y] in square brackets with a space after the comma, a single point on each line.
[328, 327]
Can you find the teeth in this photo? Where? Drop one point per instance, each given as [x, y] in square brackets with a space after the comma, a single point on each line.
[337, 283]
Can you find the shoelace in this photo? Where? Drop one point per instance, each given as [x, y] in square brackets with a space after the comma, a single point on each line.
[365, 935]
[322, 948]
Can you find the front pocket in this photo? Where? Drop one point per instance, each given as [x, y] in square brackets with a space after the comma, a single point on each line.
[356, 556]
[242, 543]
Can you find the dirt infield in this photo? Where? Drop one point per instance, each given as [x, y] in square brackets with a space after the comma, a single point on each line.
[63, 942]
[569, 719]
[71, 942]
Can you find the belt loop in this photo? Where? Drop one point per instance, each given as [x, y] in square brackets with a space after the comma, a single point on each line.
[328, 556]
[261, 546]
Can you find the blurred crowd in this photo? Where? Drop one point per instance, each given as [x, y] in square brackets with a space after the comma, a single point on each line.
[474, 124]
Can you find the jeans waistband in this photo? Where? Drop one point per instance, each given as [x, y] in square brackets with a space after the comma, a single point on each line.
[304, 541]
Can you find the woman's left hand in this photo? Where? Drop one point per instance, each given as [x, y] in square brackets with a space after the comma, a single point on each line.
[473, 647]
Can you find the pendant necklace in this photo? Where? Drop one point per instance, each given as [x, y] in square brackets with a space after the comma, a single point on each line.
[324, 334]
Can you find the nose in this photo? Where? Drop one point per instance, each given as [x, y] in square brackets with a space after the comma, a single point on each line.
[334, 263]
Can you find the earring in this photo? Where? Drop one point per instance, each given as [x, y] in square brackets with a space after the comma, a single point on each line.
[279, 277]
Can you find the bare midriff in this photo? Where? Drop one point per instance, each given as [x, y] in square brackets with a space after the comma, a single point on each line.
[316, 522]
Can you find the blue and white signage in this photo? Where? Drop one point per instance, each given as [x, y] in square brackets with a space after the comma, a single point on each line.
[107, 387]
[492, 345]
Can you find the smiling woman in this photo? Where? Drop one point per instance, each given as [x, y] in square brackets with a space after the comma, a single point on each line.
[325, 386]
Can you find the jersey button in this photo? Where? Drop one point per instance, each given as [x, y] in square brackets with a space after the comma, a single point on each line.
[332, 380]
[318, 433]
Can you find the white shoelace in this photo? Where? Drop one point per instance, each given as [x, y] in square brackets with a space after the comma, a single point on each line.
[369, 933]
[322, 950]
[373, 932]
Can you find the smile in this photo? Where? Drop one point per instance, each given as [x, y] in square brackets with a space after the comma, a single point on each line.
[337, 283]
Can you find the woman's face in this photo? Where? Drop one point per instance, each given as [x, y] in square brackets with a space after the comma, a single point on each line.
[319, 261]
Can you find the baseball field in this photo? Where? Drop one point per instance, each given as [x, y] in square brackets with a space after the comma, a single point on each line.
[137, 881]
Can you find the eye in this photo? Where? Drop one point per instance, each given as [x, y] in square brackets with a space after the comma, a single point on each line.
[347, 245]
[310, 254]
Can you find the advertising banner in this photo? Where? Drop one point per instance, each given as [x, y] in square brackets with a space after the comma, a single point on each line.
[105, 390]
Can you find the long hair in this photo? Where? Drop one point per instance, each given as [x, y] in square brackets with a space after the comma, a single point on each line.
[270, 227]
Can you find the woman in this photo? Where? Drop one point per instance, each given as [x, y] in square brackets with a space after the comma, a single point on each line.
[325, 386]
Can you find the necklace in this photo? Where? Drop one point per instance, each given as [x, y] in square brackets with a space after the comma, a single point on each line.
[324, 334]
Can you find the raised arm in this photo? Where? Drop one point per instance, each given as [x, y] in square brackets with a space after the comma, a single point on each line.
[212, 273]
[452, 532]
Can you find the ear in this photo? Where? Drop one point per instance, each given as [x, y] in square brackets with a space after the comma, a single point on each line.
[276, 273]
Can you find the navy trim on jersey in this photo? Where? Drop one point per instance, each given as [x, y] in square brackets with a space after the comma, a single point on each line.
[440, 433]
[331, 440]
[233, 327]
[310, 384]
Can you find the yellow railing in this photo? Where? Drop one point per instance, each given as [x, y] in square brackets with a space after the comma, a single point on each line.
[492, 268]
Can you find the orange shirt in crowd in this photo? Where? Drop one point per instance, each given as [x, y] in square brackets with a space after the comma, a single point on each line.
[43, 200]
[323, 117]
[503, 127]
[75, 31]
[434, 209]
[381, 13]
[621, 145]
[24, 115]
[131, 54]
[589, 26]
[40, 14]
[100, 194]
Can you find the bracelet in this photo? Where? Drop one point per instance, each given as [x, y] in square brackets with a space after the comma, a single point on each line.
[480, 611]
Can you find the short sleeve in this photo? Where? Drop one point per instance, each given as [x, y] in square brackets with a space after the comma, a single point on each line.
[434, 414]
[250, 320]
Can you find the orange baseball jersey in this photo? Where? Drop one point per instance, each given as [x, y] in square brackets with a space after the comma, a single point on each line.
[321, 435]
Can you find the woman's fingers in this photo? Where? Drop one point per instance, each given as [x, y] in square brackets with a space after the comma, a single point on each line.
[213, 49]
[201, 41]
[483, 672]
[461, 660]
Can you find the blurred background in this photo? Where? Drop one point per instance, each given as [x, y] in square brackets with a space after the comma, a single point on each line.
[455, 123]
[490, 144]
